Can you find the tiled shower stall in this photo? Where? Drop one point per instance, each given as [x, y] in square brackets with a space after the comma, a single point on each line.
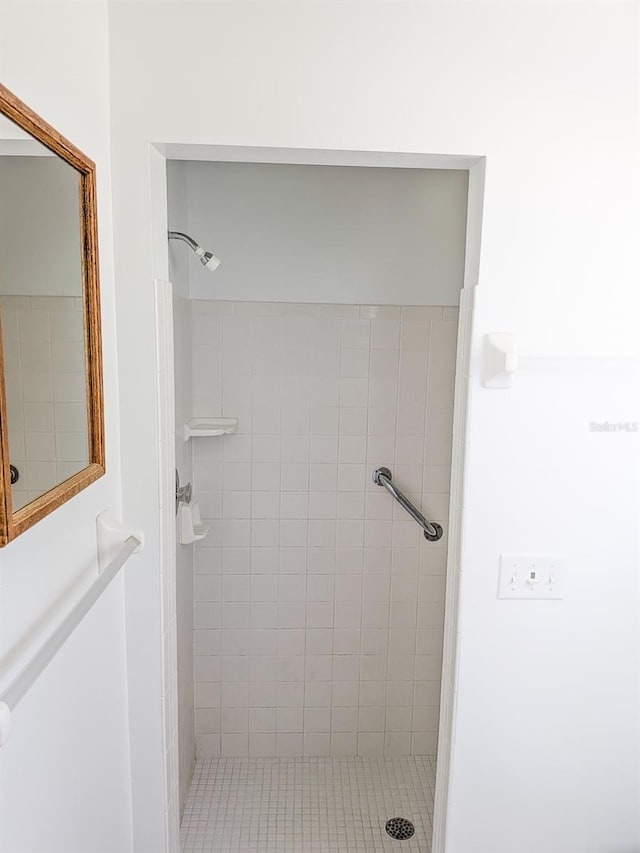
[319, 604]
[310, 617]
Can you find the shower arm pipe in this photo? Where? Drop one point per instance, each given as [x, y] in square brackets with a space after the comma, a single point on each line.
[432, 530]
[26, 678]
[207, 259]
[178, 235]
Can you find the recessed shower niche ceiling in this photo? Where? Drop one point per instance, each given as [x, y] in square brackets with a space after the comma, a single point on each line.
[292, 233]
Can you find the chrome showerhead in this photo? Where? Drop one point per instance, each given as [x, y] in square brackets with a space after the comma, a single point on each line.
[207, 259]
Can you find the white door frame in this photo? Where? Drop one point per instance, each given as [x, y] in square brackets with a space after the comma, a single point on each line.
[475, 165]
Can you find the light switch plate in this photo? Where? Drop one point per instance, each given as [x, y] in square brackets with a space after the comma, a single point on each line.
[532, 576]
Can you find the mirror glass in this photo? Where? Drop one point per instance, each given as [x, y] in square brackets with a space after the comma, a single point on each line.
[42, 316]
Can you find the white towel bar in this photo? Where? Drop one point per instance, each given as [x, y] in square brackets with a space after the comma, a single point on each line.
[25, 679]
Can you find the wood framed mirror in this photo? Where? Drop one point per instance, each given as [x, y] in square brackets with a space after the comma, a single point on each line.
[51, 398]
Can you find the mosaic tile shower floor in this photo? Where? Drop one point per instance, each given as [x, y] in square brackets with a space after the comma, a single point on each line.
[307, 805]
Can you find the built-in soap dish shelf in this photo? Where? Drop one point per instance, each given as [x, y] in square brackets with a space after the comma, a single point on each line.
[195, 427]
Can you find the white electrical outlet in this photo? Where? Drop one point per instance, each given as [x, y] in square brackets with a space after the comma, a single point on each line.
[532, 576]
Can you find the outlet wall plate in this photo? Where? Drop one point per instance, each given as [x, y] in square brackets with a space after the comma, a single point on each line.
[536, 576]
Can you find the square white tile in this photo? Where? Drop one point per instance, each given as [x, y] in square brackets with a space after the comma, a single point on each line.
[306, 805]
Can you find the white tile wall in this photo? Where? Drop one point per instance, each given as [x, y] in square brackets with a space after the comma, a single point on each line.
[43, 345]
[319, 605]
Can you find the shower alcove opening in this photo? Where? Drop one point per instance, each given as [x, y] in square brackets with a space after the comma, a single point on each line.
[311, 618]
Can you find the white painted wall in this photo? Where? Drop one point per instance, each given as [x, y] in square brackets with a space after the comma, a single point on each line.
[64, 773]
[547, 708]
[39, 227]
[293, 233]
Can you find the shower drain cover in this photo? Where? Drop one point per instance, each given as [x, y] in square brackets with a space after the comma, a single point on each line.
[400, 828]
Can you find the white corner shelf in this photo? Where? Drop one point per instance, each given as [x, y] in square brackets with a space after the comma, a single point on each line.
[209, 426]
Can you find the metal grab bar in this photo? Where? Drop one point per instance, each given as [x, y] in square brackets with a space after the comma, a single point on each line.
[432, 530]
[25, 679]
